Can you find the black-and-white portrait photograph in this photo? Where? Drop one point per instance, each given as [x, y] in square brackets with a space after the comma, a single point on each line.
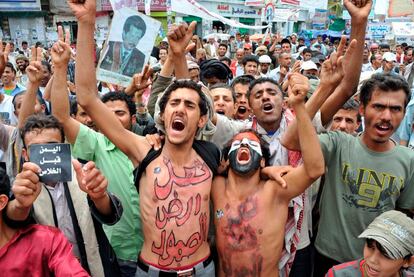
[128, 46]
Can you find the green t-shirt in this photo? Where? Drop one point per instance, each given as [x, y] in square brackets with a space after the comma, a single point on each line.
[126, 236]
[360, 184]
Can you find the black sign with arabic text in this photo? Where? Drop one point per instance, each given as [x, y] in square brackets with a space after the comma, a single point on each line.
[55, 161]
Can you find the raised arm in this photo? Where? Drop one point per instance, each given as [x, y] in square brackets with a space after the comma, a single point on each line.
[161, 83]
[4, 54]
[178, 38]
[35, 75]
[313, 165]
[352, 63]
[133, 146]
[331, 75]
[59, 97]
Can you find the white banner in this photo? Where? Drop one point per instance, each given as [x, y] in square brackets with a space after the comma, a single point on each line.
[314, 4]
[283, 15]
[254, 3]
[191, 7]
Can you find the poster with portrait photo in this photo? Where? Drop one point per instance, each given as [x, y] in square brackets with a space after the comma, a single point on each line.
[128, 46]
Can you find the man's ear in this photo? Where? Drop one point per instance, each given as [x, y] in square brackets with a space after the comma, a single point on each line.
[409, 262]
[25, 155]
[4, 199]
[202, 121]
[134, 119]
[361, 109]
[262, 163]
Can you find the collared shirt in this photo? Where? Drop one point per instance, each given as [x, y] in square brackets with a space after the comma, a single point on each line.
[275, 74]
[64, 219]
[239, 69]
[126, 236]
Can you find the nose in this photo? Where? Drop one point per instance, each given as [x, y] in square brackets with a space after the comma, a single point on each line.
[342, 125]
[386, 115]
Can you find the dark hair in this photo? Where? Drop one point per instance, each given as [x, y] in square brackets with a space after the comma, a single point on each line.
[261, 81]
[4, 183]
[120, 96]
[225, 59]
[306, 50]
[41, 122]
[38, 98]
[352, 105]
[47, 65]
[73, 106]
[263, 145]
[223, 44]
[225, 86]
[372, 242]
[250, 58]
[163, 48]
[386, 82]
[189, 84]
[136, 21]
[24, 42]
[242, 79]
[215, 68]
[11, 66]
[386, 46]
[285, 41]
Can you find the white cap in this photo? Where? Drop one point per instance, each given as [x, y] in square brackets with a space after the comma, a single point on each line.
[265, 59]
[389, 57]
[301, 49]
[308, 65]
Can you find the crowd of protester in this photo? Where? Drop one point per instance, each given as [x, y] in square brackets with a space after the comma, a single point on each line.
[276, 157]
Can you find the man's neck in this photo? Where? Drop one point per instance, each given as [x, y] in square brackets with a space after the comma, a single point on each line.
[9, 85]
[242, 186]
[375, 146]
[178, 154]
[271, 127]
[6, 233]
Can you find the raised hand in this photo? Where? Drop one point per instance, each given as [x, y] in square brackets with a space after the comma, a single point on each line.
[34, 70]
[84, 10]
[276, 173]
[296, 67]
[4, 56]
[26, 186]
[358, 9]
[61, 51]
[140, 82]
[91, 180]
[297, 89]
[179, 36]
[334, 68]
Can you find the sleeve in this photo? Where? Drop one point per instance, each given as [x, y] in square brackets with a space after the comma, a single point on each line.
[86, 143]
[406, 199]
[116, 207]
[329, 142]
[158, 87]
[226, 128]
[61, 260]
[317, 123]
[404, 131]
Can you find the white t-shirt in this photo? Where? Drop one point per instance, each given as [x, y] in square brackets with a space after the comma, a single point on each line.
[6, 106]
